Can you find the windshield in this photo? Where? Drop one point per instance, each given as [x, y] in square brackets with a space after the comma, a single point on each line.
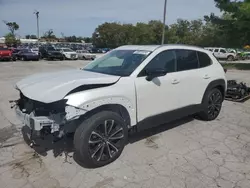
[67, 50]
[118, 62]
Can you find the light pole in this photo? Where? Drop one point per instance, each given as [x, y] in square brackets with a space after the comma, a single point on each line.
[164, 22]
[37, 23]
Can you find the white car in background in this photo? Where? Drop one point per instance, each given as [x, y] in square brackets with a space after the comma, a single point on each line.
[69, 53]
[222, 53]
[35, 50]
[84, 54]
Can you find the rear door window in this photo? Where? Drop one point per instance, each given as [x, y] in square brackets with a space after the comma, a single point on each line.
[186, 60]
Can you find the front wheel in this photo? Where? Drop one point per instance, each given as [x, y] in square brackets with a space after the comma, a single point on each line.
[23, 58]
[212, 105]
[100, 139]
[230, 58]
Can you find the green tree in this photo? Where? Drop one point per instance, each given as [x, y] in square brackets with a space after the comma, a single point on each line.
[12, 26]
[49, 34]
[234, 24]
[87, 39]
[10, 40]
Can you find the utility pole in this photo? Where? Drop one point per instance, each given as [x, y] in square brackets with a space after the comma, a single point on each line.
[37, 23]
[164, 22]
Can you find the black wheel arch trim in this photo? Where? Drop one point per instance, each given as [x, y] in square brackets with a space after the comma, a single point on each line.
[219, 83]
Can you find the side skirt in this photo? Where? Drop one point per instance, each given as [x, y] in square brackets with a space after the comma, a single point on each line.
[168, 117]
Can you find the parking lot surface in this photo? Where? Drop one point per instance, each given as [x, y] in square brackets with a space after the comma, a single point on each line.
[185, 154]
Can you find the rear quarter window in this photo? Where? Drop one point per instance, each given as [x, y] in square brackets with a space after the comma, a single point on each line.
[204, 59]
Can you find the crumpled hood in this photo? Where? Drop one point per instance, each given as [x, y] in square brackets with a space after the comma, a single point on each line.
[51, 87]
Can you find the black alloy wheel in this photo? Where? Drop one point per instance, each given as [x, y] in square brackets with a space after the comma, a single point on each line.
[214, 104]
[100, 139]
[104, 141]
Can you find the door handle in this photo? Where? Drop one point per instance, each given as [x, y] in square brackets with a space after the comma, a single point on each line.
[175, 81]
[206, 76]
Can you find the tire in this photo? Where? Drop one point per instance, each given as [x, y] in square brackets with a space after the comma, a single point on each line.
[61, 59]
[230, 58]
[23, 58]
[212, 103]
[89, 154]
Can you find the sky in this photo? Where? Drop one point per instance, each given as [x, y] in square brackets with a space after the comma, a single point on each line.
[81, 17]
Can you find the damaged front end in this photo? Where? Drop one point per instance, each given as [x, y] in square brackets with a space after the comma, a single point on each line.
[56, 118]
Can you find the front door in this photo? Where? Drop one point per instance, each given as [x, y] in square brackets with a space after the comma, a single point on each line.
[159, 95]
[223, 54]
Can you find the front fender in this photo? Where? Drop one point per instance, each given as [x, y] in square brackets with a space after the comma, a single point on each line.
[95, 103]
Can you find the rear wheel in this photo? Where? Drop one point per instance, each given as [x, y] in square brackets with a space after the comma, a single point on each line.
[212, 105]
[23, 58]
[100, 139]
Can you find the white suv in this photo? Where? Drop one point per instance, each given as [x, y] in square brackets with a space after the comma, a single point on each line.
[222, 53]
[129, 87]
[69, 53]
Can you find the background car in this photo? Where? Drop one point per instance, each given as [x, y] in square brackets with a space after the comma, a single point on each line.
[50, 53]
[68, 53]
[222, 53]
[26, 55]
[84, 54]
[35, 50]
[6, 54]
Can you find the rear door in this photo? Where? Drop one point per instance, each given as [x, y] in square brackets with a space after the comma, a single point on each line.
[189, 78]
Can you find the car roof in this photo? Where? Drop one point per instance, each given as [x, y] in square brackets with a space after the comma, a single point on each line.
[154, 47]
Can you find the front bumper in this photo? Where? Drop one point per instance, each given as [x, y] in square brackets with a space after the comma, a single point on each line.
[36, 123]
[71, 56]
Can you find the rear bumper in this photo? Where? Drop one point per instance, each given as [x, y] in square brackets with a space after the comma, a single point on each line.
[36, 123]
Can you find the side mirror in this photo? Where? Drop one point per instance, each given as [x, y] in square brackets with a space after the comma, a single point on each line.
[151, 74]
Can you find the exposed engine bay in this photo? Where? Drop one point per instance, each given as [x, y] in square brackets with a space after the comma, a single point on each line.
[237, 92]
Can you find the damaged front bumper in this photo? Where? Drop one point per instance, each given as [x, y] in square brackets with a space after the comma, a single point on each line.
[37, 123]
[54, 122]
